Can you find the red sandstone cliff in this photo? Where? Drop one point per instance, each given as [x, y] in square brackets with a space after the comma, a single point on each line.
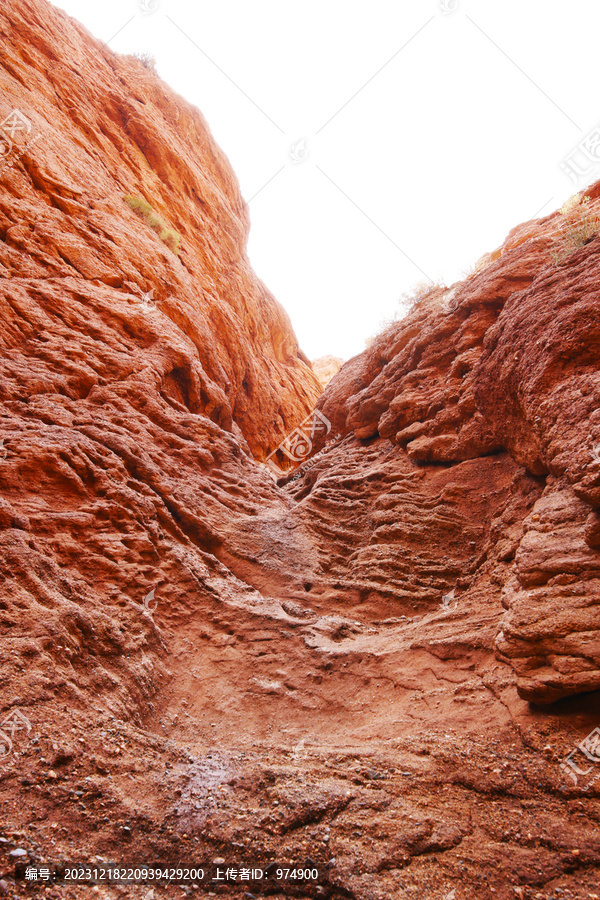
[504, 369]
[102, 129]
[335, 667]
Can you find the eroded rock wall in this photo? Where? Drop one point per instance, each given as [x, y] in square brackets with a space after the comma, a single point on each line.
[507, 362]
[213, 664]
[142, 363]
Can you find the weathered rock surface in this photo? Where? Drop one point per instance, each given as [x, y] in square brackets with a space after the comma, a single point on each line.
[196, 328]
[199, 662]
[509, 361]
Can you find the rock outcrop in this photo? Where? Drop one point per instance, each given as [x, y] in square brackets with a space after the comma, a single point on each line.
[331, 669]
[100, 160]
[508, 362]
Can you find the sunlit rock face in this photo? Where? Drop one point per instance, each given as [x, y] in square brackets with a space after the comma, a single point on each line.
[144, 369]
[507, 362]
[118, 204]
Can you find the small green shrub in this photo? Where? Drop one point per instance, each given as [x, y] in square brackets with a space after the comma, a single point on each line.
[170, 237]
[578, 226]
[143, 209]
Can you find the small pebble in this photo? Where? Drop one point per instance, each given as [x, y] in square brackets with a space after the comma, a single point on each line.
[16, 854]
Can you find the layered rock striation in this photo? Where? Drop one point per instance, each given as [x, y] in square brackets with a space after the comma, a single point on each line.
[507, 363]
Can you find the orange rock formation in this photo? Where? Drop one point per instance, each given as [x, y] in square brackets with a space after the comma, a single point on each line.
[332, 670]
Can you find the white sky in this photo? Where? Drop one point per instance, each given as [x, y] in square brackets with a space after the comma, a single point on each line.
[430, 132]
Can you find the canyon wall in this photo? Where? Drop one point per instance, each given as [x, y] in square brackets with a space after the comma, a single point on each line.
[337, 666]
[507, 363]
[138, 346]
